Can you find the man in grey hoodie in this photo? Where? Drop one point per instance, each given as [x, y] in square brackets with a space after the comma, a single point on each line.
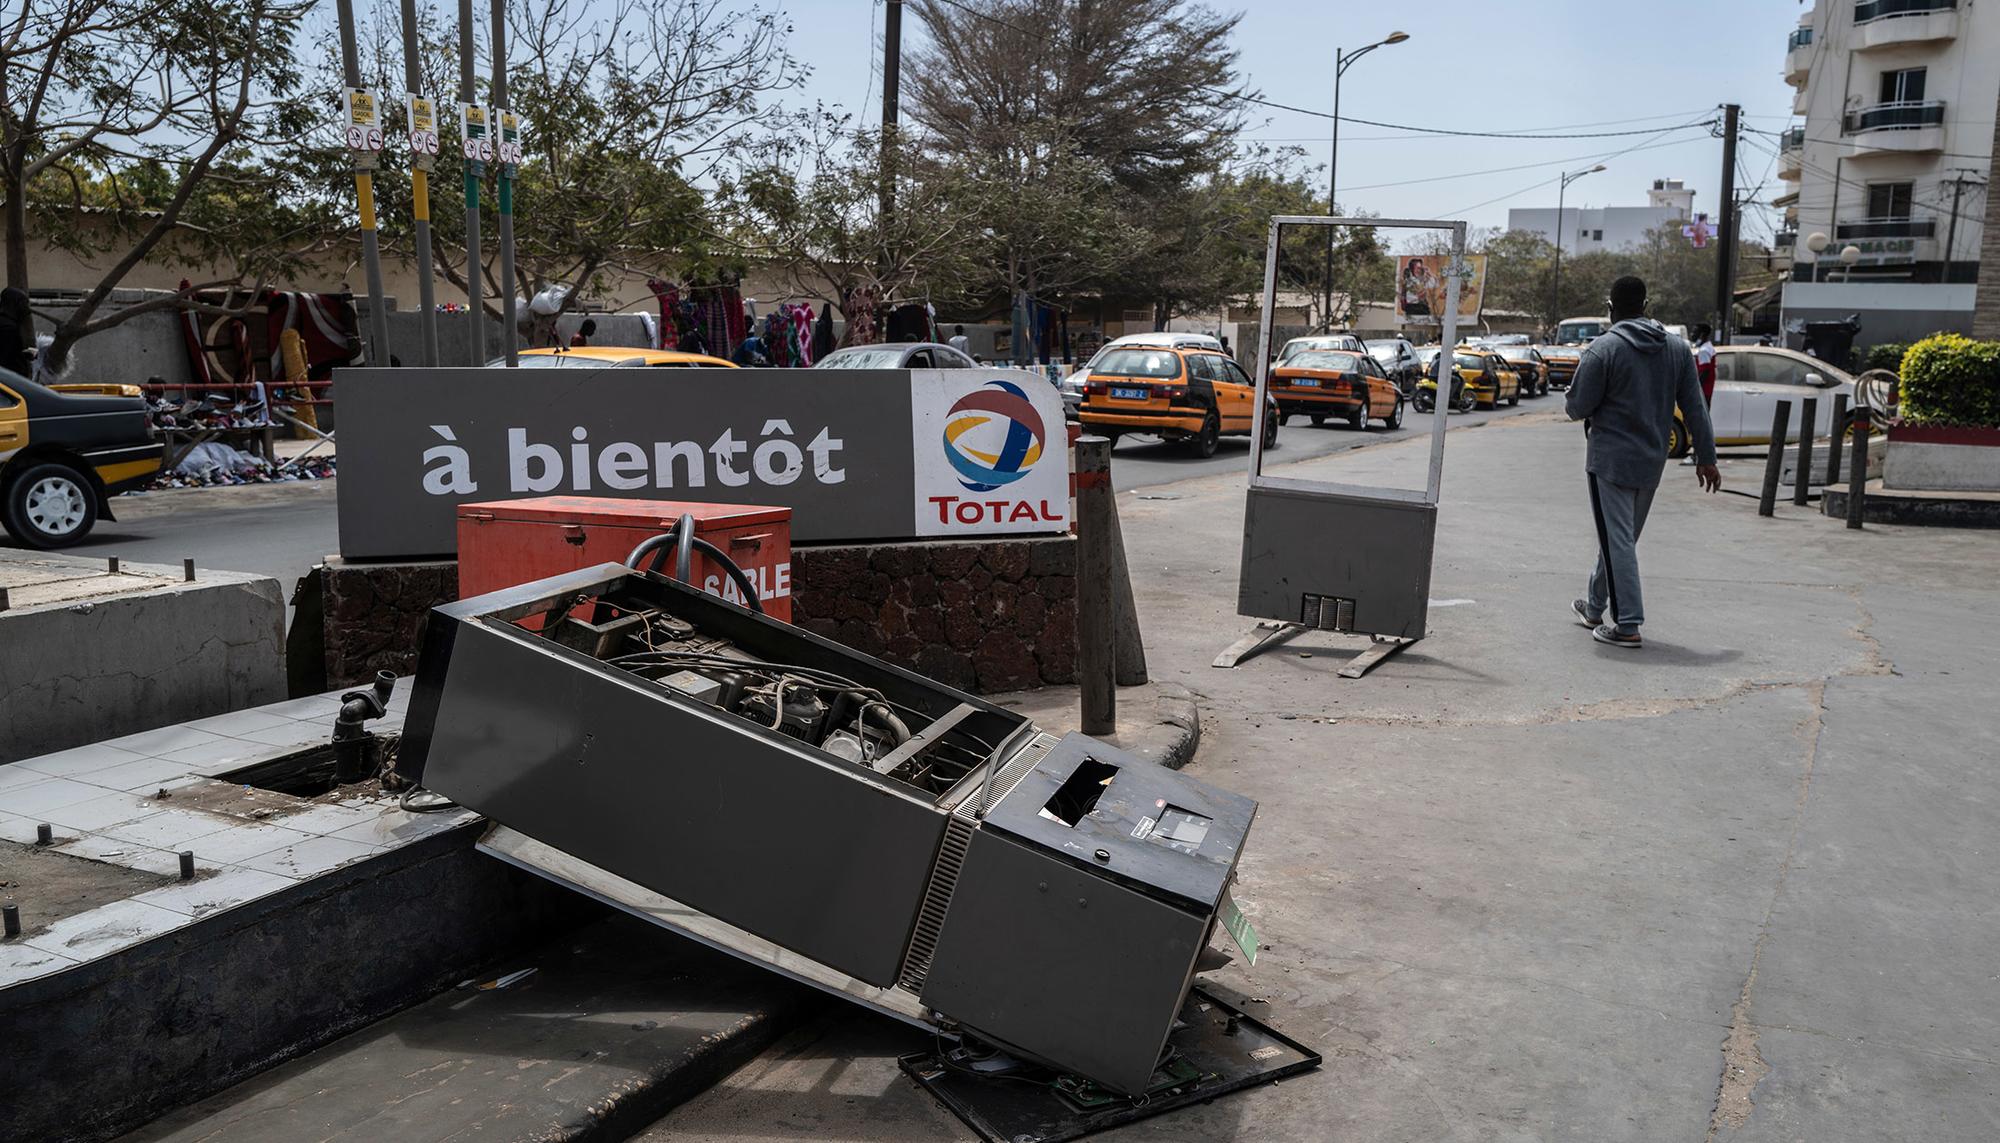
[1625, 390]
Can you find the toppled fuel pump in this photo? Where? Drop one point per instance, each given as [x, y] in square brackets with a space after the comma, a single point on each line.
[850, 824]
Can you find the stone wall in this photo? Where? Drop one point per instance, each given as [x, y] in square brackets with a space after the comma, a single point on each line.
[373, 619]
[989, 617]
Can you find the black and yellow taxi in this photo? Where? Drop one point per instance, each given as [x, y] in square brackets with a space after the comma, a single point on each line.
[65, 452]
[1326, 383]
[1186, 394]
[1528, 363]
[1559, 361]
[1478, 377]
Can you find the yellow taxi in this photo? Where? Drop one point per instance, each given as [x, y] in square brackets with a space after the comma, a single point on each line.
[1559, 362]
[614, 357]
[65, 451]
[1478, 376]
[1324, 383]
[1191, 395]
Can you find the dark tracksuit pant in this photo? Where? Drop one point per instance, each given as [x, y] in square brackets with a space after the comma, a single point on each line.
[1614, 590]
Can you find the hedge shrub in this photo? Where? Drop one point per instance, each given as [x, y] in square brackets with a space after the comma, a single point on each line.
[1950, 379]
[1888, 355]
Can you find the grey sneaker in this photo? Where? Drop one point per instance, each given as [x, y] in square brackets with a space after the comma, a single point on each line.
[1606, 633]
[1583, 617]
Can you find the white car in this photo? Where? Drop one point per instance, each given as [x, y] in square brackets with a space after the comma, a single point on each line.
[1750, 380]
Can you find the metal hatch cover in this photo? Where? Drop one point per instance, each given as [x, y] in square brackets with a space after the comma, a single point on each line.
[1221, 1047]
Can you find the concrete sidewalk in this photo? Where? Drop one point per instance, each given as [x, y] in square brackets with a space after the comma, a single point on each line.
[1516, 885]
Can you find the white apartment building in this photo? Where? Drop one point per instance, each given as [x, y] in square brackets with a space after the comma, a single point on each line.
[1891, 162]
[1588, 228]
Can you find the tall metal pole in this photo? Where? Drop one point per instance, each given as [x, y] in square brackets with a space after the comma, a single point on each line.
[1725, 262]
[1555, 291]
[1332, 185]
[475, 301]
[504, 178]
[420, 196]
[892, 89]
[364, 194]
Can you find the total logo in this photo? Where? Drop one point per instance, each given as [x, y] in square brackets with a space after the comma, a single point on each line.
[993, 437]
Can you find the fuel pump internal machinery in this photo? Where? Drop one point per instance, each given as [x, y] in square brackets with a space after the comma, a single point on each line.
[1039, 903]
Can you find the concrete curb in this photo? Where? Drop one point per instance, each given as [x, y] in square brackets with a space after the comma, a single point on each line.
[1160, 722]
[1925, 509]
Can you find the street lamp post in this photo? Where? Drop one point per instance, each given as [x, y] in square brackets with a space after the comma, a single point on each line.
[1341, 60]
[1555, 290]
[1817, 242]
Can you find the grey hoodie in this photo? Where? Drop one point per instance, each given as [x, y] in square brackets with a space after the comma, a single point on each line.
[1626, 387]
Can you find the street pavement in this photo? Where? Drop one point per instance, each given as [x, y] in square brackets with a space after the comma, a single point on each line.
[1143, 461]
[1516, 885]
[278, 530]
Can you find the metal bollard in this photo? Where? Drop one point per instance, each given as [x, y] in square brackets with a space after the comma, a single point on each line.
[1808, 424]
[44, 834]
[111, 565]
[1839, 435]
[187, 570]
[1774, 461]
[1857, 473]
[10, 914]
[1096, 654]
[187, 865]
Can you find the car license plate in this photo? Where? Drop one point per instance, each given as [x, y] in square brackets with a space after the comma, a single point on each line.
[1127, 393]
[1306, 382]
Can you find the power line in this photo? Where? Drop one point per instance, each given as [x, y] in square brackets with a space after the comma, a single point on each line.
[1601, 159]
[1246, 98]
[1517, 167]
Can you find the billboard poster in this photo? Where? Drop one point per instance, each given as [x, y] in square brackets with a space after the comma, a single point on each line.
[1420, 287]
[875, 454]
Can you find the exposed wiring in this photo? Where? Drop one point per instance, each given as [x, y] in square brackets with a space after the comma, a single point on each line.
[406, 802]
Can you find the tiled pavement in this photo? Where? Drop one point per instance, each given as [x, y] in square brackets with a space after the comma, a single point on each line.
[102, 802]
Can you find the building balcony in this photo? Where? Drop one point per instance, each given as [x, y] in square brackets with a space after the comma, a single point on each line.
[1791, 154]
[1784, 239]
[1893, 23]
[1798, 56]
[1801, 100]
[1885, 228]
[1909, 127]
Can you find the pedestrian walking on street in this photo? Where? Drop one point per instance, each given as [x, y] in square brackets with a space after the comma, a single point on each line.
[1704, 370]
[1627, 386]
[959, 341]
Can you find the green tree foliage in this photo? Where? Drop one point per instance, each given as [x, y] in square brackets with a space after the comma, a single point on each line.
[140, 129]
[1680, 279]
[629, 108]
[1090, 124]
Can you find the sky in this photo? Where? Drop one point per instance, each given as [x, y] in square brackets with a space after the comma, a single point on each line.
[1520, 66]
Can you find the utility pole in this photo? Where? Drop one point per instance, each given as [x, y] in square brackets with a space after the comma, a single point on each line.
[1332, 185]
[1959, 181]
[475, 170]
[1725, 260]
[420, 183]
[892, 84]
[504, 134]
[364, 189]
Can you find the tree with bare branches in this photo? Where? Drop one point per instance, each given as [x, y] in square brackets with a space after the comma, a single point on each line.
[156, 118]
[630, 107]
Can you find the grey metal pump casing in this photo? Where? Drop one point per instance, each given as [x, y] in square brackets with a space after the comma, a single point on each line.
[824, 856]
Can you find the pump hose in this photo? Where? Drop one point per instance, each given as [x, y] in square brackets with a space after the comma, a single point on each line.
[686, 542]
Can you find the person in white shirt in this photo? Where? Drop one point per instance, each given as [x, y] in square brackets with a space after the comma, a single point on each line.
[959, 341]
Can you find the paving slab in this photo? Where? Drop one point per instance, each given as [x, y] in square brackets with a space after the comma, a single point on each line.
[612, 1027]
